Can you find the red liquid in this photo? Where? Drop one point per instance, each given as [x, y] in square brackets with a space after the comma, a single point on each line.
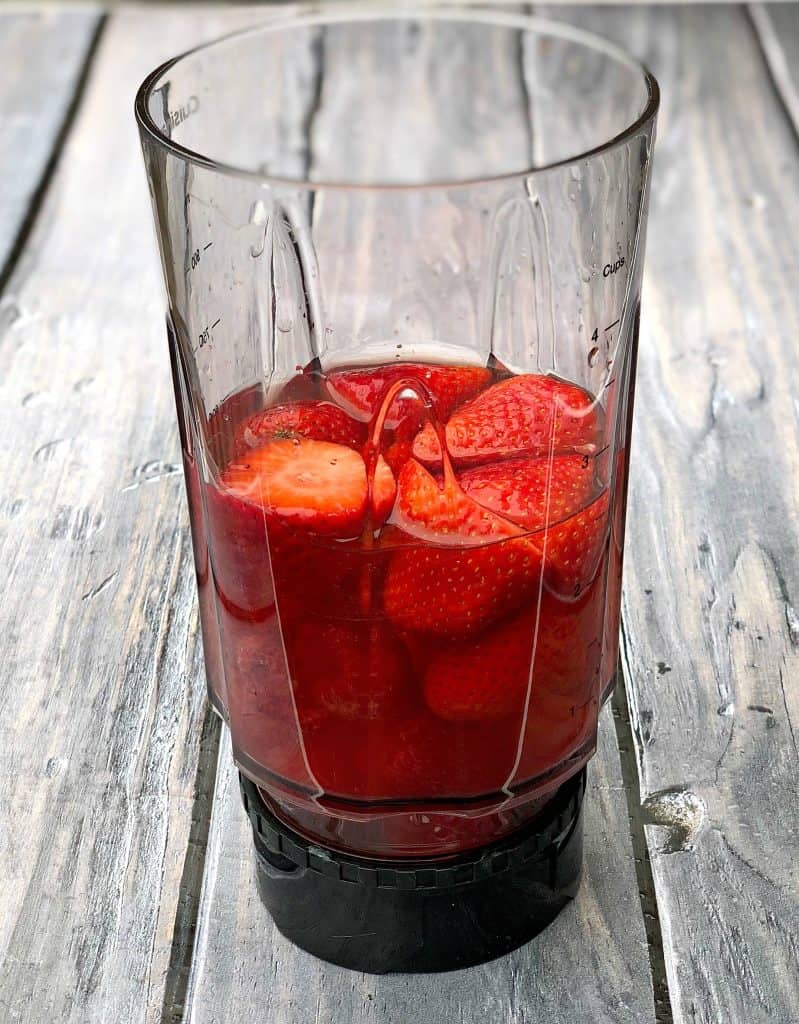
[410, 673]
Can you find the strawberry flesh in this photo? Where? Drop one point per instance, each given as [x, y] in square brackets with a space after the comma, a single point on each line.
[315, 485]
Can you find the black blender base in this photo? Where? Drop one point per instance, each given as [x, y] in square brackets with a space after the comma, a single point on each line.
[407, 916]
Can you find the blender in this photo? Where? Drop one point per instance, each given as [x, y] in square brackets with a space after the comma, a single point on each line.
[403, 257]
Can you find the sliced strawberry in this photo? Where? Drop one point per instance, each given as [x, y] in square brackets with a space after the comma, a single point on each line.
[362, 390]
[573, 549]
[460, 588]
[532, 492]
[319, 421]
[485, 678]
[315, 485]
[530, 414]
[351, 670]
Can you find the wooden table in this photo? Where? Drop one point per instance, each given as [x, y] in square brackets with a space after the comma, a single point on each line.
[126, 873]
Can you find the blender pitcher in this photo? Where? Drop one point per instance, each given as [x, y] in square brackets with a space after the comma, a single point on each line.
[403, 259]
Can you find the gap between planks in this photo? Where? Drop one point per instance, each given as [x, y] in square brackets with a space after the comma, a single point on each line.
[643, 868]
[26, 226]
[191, 882]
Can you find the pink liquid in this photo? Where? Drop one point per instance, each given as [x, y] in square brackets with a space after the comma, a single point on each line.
[369, 720]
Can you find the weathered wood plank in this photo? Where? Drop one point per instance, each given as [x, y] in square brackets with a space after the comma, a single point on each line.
[589, 966]
[712, 577]
[102, 700]
[592, 964]
[42, 54]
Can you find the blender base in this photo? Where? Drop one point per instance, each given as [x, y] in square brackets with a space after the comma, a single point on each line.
[406, 916]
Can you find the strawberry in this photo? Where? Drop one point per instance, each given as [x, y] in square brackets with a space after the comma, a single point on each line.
[337, 751]
[530, 414]
[319, 421]
[551, 495]
[397, 454]
[262, 716]
[572, 550]
[362, 390]
[443, 513]
[568, 646]
[425, 757]
[350, 670]
[413, 757]
[460, 588]
[321, 577]
[314, 485]
[459, 591]
[484, 678]
[307, 384]
[565, 686]
[239, 554]
[532, 492]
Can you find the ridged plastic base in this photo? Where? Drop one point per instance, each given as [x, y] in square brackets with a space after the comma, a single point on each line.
[426, 915]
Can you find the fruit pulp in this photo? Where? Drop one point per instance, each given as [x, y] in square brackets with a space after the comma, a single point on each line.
[410, 569]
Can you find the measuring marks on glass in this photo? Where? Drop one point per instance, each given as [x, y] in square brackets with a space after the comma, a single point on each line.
[605, 339]
[196, 258]
[195, 261]
[593, 355]
[205, 334]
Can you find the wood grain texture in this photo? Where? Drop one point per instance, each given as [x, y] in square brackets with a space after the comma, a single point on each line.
[589, 966]
[42, 53]
[102, 700]
[711, 632]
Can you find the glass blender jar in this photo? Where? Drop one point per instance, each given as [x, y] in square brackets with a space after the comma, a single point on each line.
[403, 258]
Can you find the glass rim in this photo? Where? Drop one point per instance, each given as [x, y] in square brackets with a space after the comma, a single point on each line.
[306, 14]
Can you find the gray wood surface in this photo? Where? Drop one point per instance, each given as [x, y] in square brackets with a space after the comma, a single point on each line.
[590, 966]
[102, 703]
[42, 53]
[106, 748]
[711, 634]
